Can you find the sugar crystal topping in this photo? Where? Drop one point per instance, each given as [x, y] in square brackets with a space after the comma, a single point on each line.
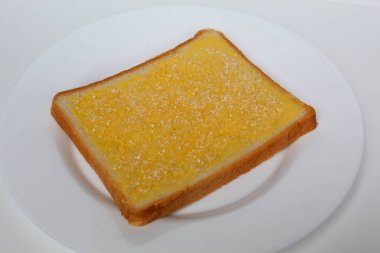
[163, 128]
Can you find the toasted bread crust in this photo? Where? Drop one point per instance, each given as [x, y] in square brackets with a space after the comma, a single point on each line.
[166, 205]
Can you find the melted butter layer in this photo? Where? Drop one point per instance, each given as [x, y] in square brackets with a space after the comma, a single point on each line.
[163, 128]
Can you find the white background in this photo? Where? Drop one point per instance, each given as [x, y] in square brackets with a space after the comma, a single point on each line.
[346, 31]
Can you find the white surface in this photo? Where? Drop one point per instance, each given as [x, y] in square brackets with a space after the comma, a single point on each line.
[345, 33]
[261, 209]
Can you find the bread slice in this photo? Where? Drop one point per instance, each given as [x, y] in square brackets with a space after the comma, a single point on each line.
[175, 128]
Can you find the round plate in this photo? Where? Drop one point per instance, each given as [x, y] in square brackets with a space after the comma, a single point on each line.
[267, 209]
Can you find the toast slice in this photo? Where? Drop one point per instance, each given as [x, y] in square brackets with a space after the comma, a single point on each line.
[175, 128]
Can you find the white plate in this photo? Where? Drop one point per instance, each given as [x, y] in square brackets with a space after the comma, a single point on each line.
[267, 209]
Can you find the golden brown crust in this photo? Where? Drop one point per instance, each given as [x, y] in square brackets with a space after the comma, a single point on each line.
[164, 206]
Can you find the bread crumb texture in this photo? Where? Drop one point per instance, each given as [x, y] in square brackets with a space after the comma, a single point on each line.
[162, 128]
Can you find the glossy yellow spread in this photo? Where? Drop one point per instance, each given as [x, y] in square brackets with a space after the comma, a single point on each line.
[164, 127]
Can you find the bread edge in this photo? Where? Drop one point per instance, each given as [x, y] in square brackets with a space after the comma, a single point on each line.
[166, 205]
